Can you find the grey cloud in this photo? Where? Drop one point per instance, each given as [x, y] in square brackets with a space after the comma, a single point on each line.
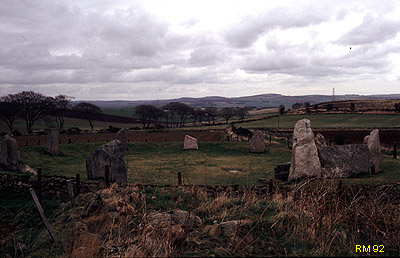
[249, 29]
[207, 55]
[372, 30]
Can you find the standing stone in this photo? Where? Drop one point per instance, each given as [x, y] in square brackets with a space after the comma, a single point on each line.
[122, 136]
[111, 154]
[257, 143]
[305, 162]
[374, 147]
[52, 141]
[9, 154]
[343, 161]
[320, 140]
[190, 143]
[366, 138]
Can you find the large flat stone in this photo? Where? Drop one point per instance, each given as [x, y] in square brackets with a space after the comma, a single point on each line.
[342, 161]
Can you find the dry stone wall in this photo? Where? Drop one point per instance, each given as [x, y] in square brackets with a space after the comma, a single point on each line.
[51, 185]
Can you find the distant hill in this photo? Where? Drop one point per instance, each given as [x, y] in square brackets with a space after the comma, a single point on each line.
[256, 101]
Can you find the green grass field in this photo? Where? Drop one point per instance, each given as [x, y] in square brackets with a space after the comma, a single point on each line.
[159, 163]
[329, 120]
[317, 121]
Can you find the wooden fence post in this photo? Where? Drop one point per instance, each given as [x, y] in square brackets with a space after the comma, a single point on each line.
[270, 186]
[179, 178]
[78, 184]
[41, 212]
[107, 175]
[71, 192]
[39, 184]
[395, 150]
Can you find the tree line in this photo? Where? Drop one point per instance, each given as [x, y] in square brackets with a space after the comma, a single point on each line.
[176, 114]
[31, 106]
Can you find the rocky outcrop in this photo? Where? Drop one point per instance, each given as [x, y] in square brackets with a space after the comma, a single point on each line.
[9, 154]
[111, 154]
[305, 161]
[342, 161]
[190, 143]
[257, 143]
[374, 147]
[52, 141]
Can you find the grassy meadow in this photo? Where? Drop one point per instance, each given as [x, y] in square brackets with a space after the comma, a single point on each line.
[223, 163]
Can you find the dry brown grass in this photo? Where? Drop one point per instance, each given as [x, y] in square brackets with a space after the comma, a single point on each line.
[314, 218]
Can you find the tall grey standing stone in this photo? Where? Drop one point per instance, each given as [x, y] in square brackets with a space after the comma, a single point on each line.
[190, 143]
[122, 136]
[374, 147]
[342, 161]
[52, 141]
[257, 143]
[305, 162]
[9, 154]
[111, 154]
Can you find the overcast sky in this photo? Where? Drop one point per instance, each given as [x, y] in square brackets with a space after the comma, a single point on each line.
[136, 50]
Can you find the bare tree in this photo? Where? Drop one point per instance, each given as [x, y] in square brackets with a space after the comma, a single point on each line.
[281, 110]
[241, 112]
[198, 115]
[33, 107]
[61, 105]
[10, 110]
[148, 114]
[227, 113]
[179, 112]
[211, 113]
[89, 111]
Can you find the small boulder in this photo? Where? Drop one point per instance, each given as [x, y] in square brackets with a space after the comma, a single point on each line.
[28, 169]
[257, 143]
[374, 147]
[320, 140]
[186, 219]
[230, 228]
[161, 220]
[190, 143]
[305, 162]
